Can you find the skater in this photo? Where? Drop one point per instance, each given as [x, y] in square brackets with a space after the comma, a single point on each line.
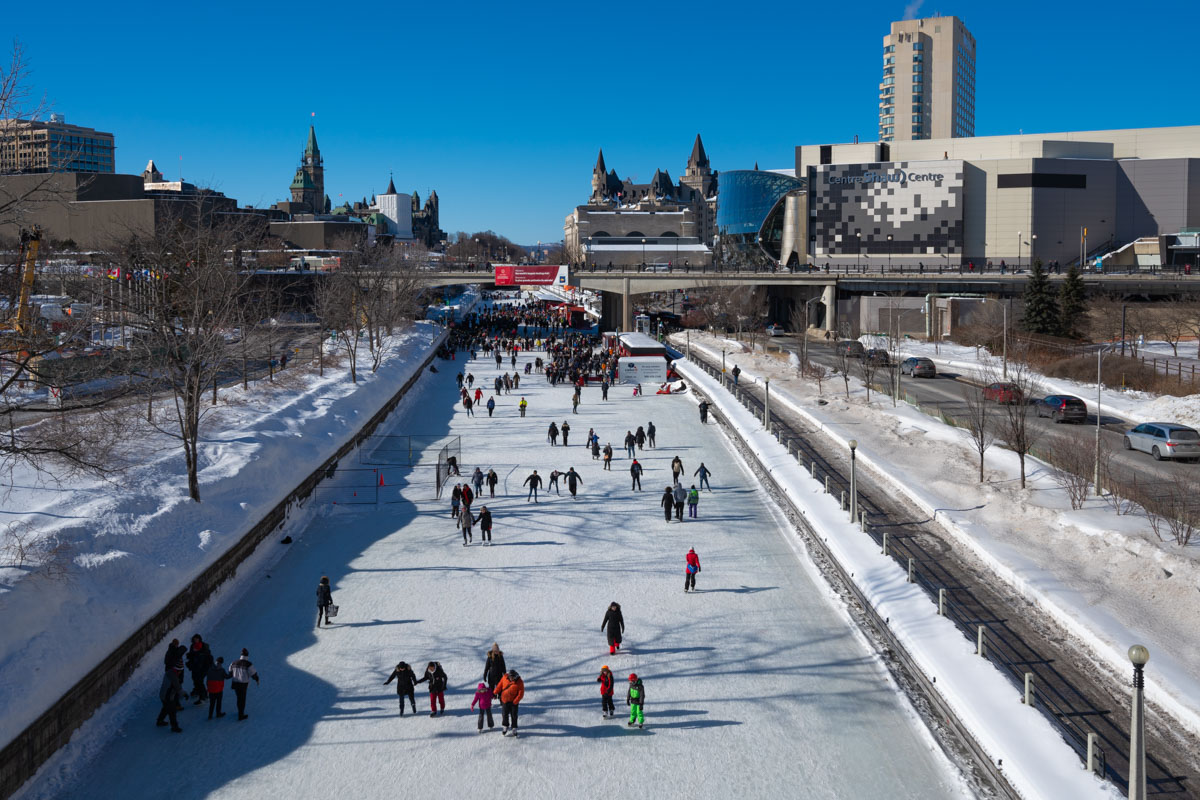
[491, 405]
[510, 690]
[635, 469]
[478, 396]
[215, 680]
[607, 709]
[668, 503]
[492, 480]
[604, 389]
[485, 526]
[468, 404]
[552, 434]
[493, 667]
[483, 696]
[736, 372]
[630, 441]
[199, 659]
[466, 523]
[573, 481]
[522, 405]
[240, 673]
[650, 434]
[680, 496]
[470, 379]
[169, 693]
[468, 497]
[455, 501]
[405, 685]
[324, 600]
[635, 699]
[596, 451]
[533, 482]
[693, 500]
[452, 466]
[640, 437]
[477, 479]
[608, 454]
[566, 431]
[553, 484]
[676, 468]
[703, 472]
[614, 625]
[690, 569]
[437, 687]
[174, 658]
[703, 412]
[575, 403]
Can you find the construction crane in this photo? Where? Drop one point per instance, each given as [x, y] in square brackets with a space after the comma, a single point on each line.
[30, 242]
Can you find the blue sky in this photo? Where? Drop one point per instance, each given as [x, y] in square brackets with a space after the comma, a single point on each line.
[502, 107]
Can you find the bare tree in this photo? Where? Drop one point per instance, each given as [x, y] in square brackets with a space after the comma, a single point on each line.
[979, 423]
[1014, 427]
[867, 367]
[818, 373]
[339, 306]
[1171, 321]
[1071, 467]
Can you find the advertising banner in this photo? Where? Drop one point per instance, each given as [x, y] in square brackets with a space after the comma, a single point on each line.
[642, 369]
[531, 275]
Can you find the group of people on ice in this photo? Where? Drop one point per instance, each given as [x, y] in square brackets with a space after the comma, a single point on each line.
[208, 681]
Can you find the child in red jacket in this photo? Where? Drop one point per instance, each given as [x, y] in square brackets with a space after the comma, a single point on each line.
[607, 709]
[215, 680]
[483, 696]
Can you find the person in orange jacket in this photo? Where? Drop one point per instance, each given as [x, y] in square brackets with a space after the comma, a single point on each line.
[510, 690]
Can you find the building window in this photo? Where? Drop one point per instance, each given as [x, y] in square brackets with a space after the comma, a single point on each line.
[918, 45]
[918, 68]
[916, 117]
[889, 59]
[889, 70]
[889, 81]
[891, 48]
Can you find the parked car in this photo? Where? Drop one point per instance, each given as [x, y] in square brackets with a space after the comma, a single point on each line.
[918, 367]
[878, 357]
[1003, 392]
[1164, 440]
[850, 348]
[775, 330]
[1062, 408]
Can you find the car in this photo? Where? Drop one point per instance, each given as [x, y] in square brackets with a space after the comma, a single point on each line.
[850, 348]
[1062, 408]
[877, 357]
[775, 330]
[918, 367]
[1003, 392]
[1164, 440]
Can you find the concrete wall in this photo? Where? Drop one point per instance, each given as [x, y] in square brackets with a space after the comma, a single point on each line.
[21, 758]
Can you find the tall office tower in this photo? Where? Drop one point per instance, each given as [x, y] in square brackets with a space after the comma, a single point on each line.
[928, 86]
[53, 146]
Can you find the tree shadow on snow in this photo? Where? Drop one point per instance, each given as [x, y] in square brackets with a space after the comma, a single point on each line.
[742, 590]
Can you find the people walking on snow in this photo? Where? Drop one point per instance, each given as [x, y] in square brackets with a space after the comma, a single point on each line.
[477, 479]
[693, 500]
[566, 431]
[573, 481]
[630, 441]
[324, 600]
[523, 405]
[483, 697]
[493, 666]
[533, 482]
[668, 503]
[650, 434]
[199, 659]
[485, 526]
[169, 692]
[640, 437]
[437, 687]
[466, 523]
[608, 454]
[492, 480]
[614, 625]
[215, 685]
[676, 468]
[510, 690]
[240, 673]
[690, 568]
[680, 496]
[703, 412]
[703, 472]
[736, 372]
[635, 470]
[405, 685]
[491, 405]
[552, 434]
[607, 709]
[635, 698]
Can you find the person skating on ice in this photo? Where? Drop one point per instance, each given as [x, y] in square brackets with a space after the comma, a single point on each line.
[466, 523]
[533, 482]
[650, 431]
[406, 683]
[573, 481]
[635, 698]
[635, 471]
[608, 454]
[703, 472]
[668, 504]
[553, 484]
[510, 690]
[565, 428]
[552, 434]
[690, 569]
[485, 526]
[693, 500]
[324, 600]
[477, 479]
[679, 494]
[215, 684]
[614, 625]
[607, 709]
[483, 698]
[676, 468]
[492, 480]
[437, 687]
[493, 666]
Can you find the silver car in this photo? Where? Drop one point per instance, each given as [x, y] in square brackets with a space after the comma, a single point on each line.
[1164, 440]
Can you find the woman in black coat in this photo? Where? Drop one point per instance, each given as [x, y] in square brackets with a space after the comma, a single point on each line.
[324, 600]
[493, 668]
[615, 625]
[405, 685]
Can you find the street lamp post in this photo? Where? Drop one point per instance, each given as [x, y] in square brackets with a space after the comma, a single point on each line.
[1018, 251]
[722, 367]
[858, 252]
[853, 482]
[1032, 249]
[643, 253]
[889, 252]
[1139, 655]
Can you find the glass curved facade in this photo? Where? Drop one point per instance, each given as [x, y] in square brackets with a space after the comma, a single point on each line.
[745, 198]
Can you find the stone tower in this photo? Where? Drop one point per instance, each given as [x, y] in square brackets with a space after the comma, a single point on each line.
[308, 187]
[600, 182]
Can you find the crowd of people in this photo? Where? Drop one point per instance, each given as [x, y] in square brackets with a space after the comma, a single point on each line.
[208, 681]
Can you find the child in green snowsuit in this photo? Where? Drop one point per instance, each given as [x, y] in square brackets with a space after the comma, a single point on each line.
[635, 699]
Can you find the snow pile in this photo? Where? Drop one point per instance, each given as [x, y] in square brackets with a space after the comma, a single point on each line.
[1105, 578]
[138, 542]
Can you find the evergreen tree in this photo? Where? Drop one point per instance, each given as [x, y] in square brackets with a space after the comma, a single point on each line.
[1071, 303]
[1041, 306]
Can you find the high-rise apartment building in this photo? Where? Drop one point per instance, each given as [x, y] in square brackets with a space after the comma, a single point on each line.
[53, 146]
[928, 86]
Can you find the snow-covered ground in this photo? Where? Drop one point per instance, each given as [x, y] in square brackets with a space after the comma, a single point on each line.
[138, 540]
[757, 685]
[1105, 577]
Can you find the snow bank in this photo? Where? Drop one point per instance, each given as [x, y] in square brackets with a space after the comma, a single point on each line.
[138, 543]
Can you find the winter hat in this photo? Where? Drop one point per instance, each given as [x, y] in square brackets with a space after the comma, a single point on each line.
[605, 668]
[245, 652]
[220, 659]
[632, 677]
[482, 686]
[196, 637]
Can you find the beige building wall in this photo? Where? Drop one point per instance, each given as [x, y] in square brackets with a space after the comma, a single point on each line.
[927, 89]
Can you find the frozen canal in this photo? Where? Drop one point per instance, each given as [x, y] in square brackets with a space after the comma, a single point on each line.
[756, 685]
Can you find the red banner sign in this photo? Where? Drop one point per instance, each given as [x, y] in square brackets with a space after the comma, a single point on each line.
[531, 275]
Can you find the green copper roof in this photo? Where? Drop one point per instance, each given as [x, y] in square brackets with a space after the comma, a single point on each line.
[311, 148]
[303, 180]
